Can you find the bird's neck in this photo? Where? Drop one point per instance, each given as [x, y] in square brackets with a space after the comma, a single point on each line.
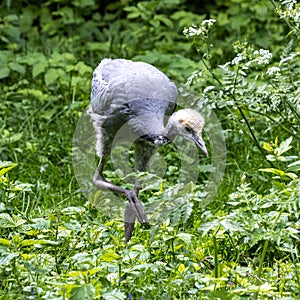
[171, 129]
[147, 119]
[150, 127]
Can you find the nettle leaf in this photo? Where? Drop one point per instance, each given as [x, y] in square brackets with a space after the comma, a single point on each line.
[73, 225]
[150, 266]
[2, 206]
[80, 67]
[295, 166]
[231, 225]
[185, 237]
[113, 295]
[11, 138]
[84, 258]
[6, 221]
[109, 256]
[284, 146]
[5, 242]
[280, 173]
[17, 67]
[33, 242]
[48, 114]
[165, 20]
[38, 68]
[40, 224]
[51, 76]
[7, 257]
[84, 292]
[137, 251]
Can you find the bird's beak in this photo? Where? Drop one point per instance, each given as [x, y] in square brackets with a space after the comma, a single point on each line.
[198, 140]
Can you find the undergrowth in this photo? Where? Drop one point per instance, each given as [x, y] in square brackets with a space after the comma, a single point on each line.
[57, 243]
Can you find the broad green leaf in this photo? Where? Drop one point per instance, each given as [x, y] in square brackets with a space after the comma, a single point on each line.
[11, 139]
[17, 67]
[94, 271]
[153, 267]
[109, 256]
[284, 146]
[185, 237]
[114, 295]
[231, 225]
[6, 221]
[48, 114]
[40, 224]
[38, 68]
[73, 225]
[6, 259]
[51, 76]
[164, 20]
[12, 31]
[33, 242]
[239, 21]
[295, 166]
[291, 175]
[133, 15]
[5, 242]
[84, 292]
[4, 72]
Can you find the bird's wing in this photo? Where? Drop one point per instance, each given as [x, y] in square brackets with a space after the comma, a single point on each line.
[119, 81]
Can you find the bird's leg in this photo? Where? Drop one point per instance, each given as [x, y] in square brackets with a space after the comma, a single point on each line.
[130, 215]
[143, 152]
[104, 184]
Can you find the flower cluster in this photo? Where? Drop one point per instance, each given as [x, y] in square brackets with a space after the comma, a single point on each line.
[262, 56]
[291, 13]
[273, 71]
[199, 30]
[252, 57]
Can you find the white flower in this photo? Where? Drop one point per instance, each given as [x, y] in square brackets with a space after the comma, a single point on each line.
[263, 56]
[238, 59]
[273, 71]
[200, 30]
[43, 168]
[209, 23]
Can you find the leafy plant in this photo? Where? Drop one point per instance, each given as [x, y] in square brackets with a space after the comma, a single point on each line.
[242, 58]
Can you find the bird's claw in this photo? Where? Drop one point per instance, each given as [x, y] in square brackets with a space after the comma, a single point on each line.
[137, 207]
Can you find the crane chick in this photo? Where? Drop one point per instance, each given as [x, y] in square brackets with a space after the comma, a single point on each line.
[141, 96]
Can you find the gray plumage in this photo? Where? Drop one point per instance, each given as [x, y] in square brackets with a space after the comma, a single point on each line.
[144, 98]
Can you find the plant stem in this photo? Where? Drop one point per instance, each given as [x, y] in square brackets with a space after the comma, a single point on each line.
[261, 262]
[216, 263]
[241, 112]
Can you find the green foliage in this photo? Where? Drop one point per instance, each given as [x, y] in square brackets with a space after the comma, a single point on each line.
[242, 57]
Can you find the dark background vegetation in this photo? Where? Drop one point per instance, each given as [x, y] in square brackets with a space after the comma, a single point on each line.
[56, 244]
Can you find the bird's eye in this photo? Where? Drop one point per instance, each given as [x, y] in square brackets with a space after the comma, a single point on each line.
[188, 129]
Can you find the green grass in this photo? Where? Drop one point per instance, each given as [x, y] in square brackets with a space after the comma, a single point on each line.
[57, 243]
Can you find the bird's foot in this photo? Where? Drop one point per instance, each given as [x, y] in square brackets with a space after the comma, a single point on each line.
[137, 207]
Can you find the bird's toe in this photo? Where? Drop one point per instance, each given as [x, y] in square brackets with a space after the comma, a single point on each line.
[138, 207]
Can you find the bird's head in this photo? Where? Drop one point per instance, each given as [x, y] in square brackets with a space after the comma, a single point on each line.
[189, 124]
